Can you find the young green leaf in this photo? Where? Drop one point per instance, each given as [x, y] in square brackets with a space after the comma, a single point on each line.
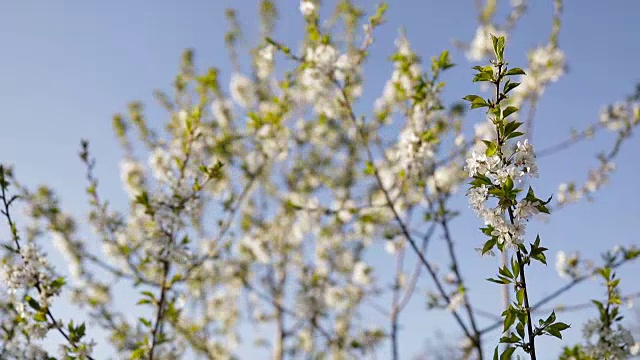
[515, 71]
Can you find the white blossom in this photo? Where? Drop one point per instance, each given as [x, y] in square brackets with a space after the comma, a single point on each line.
[264, 61]
[222, 111]
[243, 91]
[307, 8]
[33, 269]
[616, 117]
[323, 56]
[445, 179]
[481, 164]
[508, 233]
[561, 265]
[477, 197]
[482, 46]
[132, 177]
[525, 209]
[159, 163]
[361, 273]
[451, 278]
[546, 65]
[395, 245]
[344, 65]
[257, 248]
[455, 301]
[413, 152]
[525, 158]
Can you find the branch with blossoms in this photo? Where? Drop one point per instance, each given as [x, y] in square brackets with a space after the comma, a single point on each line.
[621, 118]
[613, 341]
[35, 317]
[496, 173]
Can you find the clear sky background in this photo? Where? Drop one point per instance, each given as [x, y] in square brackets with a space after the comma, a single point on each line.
[67, 67]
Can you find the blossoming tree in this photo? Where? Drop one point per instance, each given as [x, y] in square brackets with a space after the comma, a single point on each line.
[263, 205]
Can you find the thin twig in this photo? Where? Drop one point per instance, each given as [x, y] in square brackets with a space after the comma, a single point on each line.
[454, 266]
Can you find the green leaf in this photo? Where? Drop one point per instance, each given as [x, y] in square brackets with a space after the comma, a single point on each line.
[471, 98]
[555, 329]
[488, 245]
[40, 317]
[145, 322]
[540, 257]
[506, 355]
[497, 192]
[537, 251]
[498, 47]
[520, 296]
[58, 283]
[515, 268]
[551, 318]
[492, 147]
[369, 169]
[514, 135]
[480, 180]
[508, 111]
[487, 230]
[505, 272]
[478, 104]
[143, 198]
[522, 316]
[32, 302]
[137, 354]
[515, 71]
[511, 339]
[496, 111]
[483, 76]
[520, 329]
[476, 101]
[500, 280]
[444, 61]
[598, 305]
[508, 86]
[509, 317]
[508, 184]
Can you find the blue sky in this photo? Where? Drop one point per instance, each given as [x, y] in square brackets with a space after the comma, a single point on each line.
[65, 69]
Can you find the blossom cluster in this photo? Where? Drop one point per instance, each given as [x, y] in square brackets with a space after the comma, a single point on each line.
[481, 46]
[546, 65]
[499, 173]
[620, 116]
